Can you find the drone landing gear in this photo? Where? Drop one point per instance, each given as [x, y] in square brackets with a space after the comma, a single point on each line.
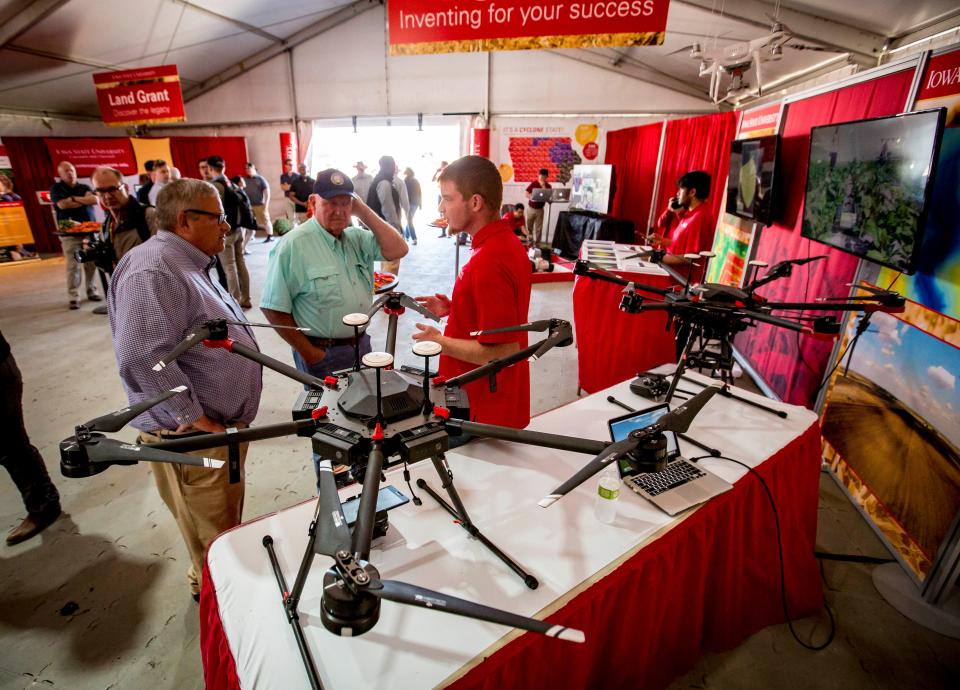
[716, 361]
[459, 513]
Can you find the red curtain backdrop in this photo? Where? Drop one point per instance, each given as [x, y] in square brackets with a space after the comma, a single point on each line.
[792, 364]
[187, 151]
[633, 152]
[696, 143]
[32, 165]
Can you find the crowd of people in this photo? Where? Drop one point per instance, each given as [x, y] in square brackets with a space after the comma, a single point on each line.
[167, 241]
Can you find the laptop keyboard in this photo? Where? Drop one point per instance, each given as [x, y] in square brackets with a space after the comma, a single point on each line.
[673, 475]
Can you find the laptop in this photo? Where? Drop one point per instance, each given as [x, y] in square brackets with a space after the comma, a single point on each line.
[681, 484]
[540, 194]
[561, 195]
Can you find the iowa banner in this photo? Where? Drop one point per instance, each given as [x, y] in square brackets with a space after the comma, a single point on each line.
[439, 26]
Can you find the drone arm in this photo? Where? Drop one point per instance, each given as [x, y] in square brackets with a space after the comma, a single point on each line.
[777, 321]
[583, 268]
[597, 463]
[492, 367]
[367, 511]
[534, 438]
[302, 427]
[276, 365]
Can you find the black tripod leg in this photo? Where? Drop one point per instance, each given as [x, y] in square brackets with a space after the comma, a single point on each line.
[293, 598]
[459, 513]
[293, 618]
[725, 391]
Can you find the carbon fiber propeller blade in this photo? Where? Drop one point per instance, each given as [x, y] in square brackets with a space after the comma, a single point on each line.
[115, 421]
[332, 532]
[404, 593]
[201, 333]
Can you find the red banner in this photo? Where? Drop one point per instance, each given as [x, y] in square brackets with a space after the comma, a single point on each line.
[942, 77]
[88, 154]
[148, 95]
[288, 148]
[439, 26]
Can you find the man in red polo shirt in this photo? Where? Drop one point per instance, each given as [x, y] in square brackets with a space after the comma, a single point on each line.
[492, 291]
[687, 225]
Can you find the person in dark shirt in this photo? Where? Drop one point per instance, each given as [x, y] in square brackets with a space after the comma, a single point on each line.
[535, 208]
[128, 222]
[74, 201]
[143, 194]
[300, 190]
[415, 197]
[21, 458]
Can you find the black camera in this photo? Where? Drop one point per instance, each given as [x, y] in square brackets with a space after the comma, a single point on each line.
[100, 253]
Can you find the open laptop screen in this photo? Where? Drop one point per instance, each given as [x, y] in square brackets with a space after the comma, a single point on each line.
[620, 428]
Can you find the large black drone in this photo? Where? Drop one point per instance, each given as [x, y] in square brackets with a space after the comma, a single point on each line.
[369, 418]
[715, 313]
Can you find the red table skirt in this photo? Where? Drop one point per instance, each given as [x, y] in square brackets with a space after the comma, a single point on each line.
[706, 585]
[611, 345]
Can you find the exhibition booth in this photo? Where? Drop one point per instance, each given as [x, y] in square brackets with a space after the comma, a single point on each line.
[830, 284]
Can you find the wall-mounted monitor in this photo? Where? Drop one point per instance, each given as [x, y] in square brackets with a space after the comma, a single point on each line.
[591, 185]
[750, 183]
[869, 183]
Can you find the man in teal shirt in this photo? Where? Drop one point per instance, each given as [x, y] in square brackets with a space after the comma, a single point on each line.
[323, 270]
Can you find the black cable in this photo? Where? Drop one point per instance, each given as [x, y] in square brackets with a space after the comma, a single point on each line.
[406, 478]
[783, 581]
[851, 558]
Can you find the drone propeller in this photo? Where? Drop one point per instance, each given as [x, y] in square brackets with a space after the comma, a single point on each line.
[678, 421]
[537, 326]
[333, 535]
[114, 421]
[111, 451]
[215, 329]
[403, 593]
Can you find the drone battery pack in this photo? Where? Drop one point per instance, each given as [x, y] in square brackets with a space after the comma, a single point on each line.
[339, 445]
[422, 442]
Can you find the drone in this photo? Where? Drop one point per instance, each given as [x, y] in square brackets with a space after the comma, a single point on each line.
[370, 417]
[715, 313]
[736, 59]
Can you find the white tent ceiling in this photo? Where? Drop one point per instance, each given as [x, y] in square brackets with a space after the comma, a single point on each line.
[50, 48]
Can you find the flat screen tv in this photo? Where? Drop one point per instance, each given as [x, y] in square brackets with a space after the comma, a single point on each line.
[750, 184]
[591, 187]
[869, 183]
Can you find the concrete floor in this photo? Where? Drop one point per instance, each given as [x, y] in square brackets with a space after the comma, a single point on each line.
[99, 600]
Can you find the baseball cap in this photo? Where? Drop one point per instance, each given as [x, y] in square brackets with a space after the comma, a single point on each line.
[332, 183]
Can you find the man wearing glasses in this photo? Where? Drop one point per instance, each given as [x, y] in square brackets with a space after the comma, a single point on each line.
[128, 222]
[158, 294]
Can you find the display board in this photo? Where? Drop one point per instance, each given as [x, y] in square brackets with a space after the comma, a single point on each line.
[14, 227]
[891, 422]
[591, 185]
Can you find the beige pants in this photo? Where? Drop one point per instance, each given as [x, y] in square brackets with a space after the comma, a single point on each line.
[535, 223]
[262, 215]
[238, 278]
[70, 245]
[202, 500]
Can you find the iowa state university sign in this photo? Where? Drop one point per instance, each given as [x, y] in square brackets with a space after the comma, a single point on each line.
[442, 26]
[147, 95]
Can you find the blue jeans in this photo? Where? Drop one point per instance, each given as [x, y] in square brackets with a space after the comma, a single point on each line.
[338, 358]
[409, 233]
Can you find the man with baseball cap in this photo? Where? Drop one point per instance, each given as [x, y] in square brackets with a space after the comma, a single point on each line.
[322, 270]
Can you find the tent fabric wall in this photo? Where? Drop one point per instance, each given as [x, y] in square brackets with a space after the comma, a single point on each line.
[792, 364]
[634, 152]
[696, 143]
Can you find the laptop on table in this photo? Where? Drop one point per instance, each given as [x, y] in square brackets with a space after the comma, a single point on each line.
[681, 484]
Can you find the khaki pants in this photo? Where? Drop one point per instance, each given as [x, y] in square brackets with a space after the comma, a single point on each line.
[235, 268]
[262, 215]
[535, 223]
[202, 500]
[70, 245]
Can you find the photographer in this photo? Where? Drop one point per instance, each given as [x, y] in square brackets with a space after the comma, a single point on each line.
[128, 222]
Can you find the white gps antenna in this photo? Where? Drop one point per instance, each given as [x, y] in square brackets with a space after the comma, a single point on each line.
[427, 349]
[356, 320]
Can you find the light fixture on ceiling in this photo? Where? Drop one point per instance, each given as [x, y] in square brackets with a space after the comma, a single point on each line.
[354, 118]
[419, 122]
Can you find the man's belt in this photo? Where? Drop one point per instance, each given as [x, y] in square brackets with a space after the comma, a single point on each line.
[331, 342]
